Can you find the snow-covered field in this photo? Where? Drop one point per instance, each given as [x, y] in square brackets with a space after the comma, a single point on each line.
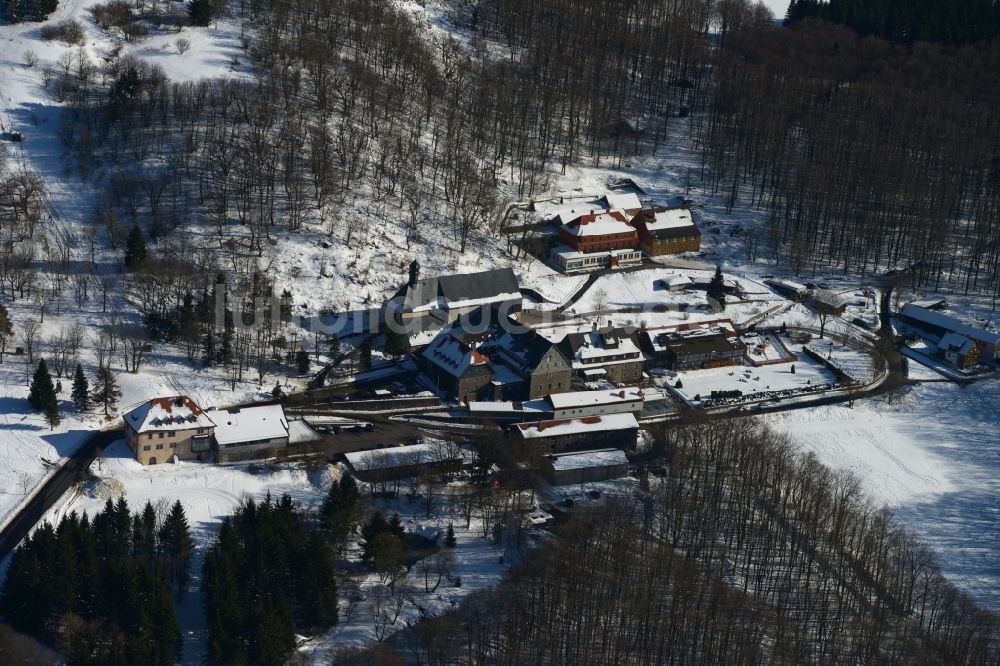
[934, 458]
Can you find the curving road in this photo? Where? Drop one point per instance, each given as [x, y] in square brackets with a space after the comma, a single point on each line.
[75, 469]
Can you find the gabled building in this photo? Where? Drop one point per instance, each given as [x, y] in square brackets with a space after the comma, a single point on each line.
[164, 429]
[456, 366]
[402, 462]
[598, 232]
[692, 345]
[939, 324]
[626, 202]
[489, 355]
[610, 352]
[667, 231]
[434, 302]
[562, 469]
[959, 350]
[598, 239]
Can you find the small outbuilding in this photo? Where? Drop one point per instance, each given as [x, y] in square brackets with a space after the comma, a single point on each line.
[404, 462]
[564, 469]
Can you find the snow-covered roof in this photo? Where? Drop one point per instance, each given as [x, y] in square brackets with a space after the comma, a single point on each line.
[457, 291]
[299, 431]
[504, 375]
[177, 412]
[403, 456]
[671, 218]
[787, 284]
[560, 427]
[250, 424]
[592, 398]
[599, 224]
[610, 343]
[453, 355]
[622, 201]
[675, 281]
[570, 213]
[955, 342]
[950, 324]
[563, 462]
[567, 253]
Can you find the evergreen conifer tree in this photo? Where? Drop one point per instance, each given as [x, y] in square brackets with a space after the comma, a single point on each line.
[449, 537]
[302, 361]
[370, 531]
[176, 544]
[6, 329]
[396, 343]
[208, 350]
[42, 392]
[81, 390]
[717, 288]
[365, 354]
[333, 344]
[200, 12]
[106, 391]
[135, 248]
[341, 508]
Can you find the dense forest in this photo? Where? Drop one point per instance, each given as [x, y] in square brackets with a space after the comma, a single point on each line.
[16, 11]
[102, 590]
[868, 156]
[268, 575]
[746, 552]
[950, 22]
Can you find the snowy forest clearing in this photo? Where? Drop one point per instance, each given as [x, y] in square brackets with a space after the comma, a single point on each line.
[931, 459]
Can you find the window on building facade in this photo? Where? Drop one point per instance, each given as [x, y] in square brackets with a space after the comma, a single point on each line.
[145, 447]
[159, 447]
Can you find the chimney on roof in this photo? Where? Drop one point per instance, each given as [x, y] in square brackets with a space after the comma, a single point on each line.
[414, 272]
[593, 326]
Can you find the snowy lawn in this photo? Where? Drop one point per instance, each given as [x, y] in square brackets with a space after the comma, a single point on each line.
[855, 362]
[934, 458]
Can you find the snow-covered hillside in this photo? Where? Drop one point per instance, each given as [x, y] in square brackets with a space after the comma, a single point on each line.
[934, 458]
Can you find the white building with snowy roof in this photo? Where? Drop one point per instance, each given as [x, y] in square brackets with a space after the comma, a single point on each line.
[596, 403]
[627, 202]
[245, 433]
[169, 428]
